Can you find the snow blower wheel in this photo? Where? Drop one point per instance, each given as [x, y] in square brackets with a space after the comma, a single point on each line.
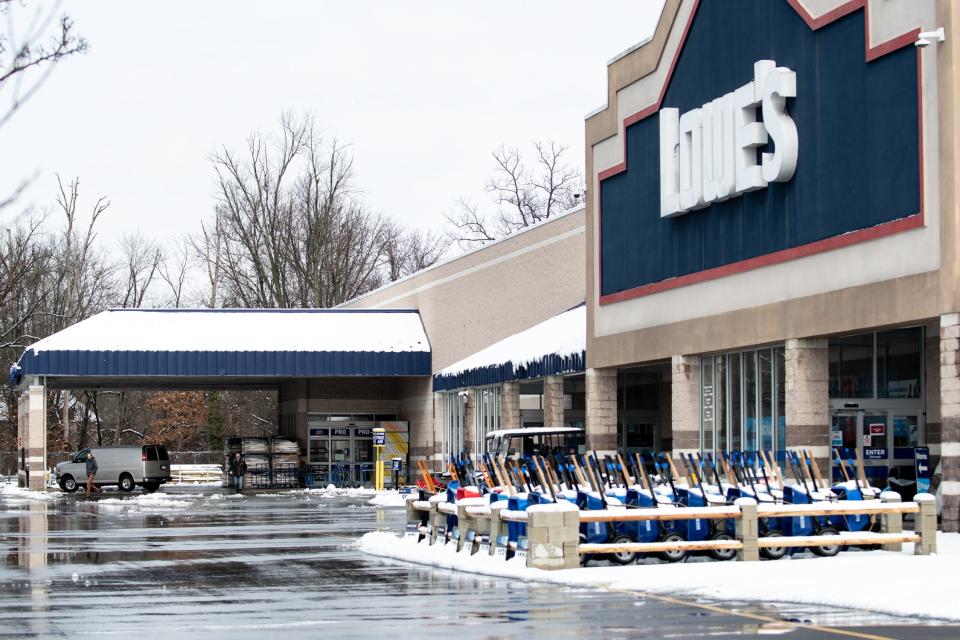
[623, 557]
[773, 553]
[722, 554]
[827, 550]
[676, 555]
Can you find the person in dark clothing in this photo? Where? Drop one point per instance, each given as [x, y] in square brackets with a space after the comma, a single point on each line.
[92, 469]
[238, 467]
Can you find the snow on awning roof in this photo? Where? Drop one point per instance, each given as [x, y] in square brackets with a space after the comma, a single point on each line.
[235, 342]
[555, 346]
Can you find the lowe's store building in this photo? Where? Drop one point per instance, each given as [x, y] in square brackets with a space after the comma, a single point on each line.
[767, 259]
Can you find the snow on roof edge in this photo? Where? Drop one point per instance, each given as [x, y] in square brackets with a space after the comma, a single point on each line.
[564, 334]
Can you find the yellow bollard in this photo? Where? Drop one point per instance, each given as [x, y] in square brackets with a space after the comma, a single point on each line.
[379, 439]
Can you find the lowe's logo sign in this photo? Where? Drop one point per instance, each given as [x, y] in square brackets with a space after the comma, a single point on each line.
[709, 154]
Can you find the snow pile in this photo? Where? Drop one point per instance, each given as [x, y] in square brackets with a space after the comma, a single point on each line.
[387, 545]
[146, 502]
[388, 499]
[8, 490]
[332, 491]
[563, 335]
[902, 584]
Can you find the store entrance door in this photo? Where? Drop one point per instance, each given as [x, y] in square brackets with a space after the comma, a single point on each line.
[639, 431]
[885, 437]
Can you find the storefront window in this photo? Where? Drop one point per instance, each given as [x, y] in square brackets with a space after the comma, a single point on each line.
[742, 401]
[749, 399]
[765, 391]
[486, 414]
[899, 363]
[707, 404]
[906, 431]
[735, 402]
[894, 359]
[851, 367]
[452, 415]
[780, 378]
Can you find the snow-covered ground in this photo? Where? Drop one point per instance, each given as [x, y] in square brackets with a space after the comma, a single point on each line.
[896, 583]
[388, 499]
[177, 498]
[11, 490]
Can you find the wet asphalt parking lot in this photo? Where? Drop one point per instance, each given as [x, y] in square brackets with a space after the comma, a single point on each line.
[199, 562]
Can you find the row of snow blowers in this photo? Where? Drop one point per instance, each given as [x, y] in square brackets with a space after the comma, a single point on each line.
[622, 481]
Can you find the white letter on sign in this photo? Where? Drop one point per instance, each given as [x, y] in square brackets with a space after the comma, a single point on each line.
[780, 84]
[691, 161]
[669, 165]
[709, 154]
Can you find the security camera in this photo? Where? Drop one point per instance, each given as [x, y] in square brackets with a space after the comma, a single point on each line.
[925, 38]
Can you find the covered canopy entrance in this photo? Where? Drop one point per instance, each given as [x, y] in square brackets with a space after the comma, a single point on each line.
[210, 349]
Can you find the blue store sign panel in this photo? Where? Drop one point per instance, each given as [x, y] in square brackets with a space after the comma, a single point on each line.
[921, 457]
[874, 453]
[772, 141]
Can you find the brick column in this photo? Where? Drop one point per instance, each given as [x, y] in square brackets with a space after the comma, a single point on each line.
[807, 397]
[433, 455]
[469, 412]
[601, 397]
[931, 392]
[36, 435]
[950, 419]
[553, 401]
[510, 405]
[685, 402]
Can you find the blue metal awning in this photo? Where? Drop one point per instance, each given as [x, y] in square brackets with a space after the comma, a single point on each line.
[555, 346]
[205, 343]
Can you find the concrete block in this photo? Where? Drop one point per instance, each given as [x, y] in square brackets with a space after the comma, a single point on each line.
[571, 519]
[538, 535]
[561, 535]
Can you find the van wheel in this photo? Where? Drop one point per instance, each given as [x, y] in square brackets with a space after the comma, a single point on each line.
[150, 487]
[68, 484]
[126, 482]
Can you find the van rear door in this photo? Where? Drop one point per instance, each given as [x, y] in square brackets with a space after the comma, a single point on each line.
[157, 463]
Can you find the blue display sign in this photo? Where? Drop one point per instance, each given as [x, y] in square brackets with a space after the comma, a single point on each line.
[379, 438]
[396, 464]
[921, 461]
[363, 433]
[340, 432]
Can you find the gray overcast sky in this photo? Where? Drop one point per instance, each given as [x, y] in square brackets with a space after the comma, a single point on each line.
[423, 91]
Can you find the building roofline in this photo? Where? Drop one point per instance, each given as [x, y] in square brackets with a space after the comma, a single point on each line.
[515, 234]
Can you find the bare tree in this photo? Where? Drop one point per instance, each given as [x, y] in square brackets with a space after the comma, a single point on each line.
[409, 251]
[523, 195]
[290, 230]
[30, 47]
[175, 270]
[141, 261]
[207, 247]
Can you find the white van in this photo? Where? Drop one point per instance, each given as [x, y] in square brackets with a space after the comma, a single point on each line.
[147, 466]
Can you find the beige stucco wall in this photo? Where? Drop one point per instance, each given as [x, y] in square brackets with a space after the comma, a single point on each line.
[913, 279]
[484, 296]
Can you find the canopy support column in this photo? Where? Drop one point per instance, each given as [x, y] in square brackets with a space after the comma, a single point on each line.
[32, 434]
